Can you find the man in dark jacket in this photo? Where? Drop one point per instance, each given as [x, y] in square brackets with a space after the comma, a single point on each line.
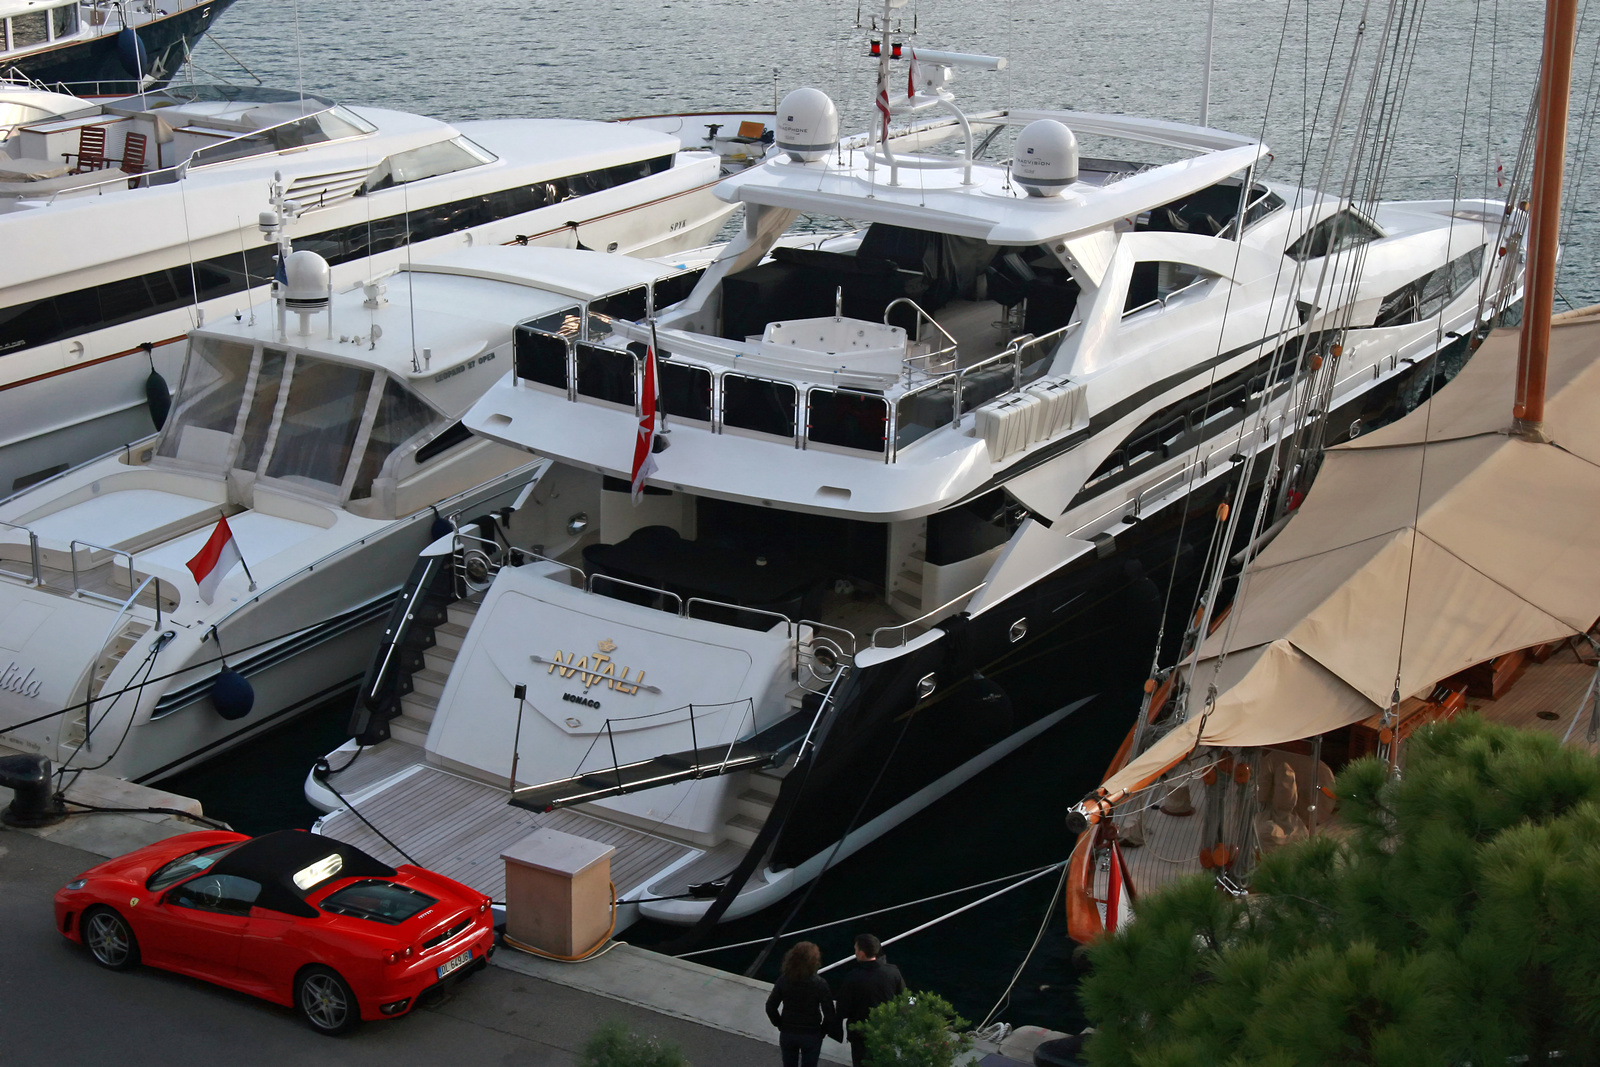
[868, 982]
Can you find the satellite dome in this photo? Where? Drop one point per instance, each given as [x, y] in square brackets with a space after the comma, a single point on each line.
[305, 280]
[1045, 160]
[808, 125]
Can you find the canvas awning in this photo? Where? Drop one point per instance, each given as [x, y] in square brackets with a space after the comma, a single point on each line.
[1423, 548]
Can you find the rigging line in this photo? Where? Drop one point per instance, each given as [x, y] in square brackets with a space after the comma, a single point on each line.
[878, 911]
[88, 725]
[319, 770]
[1585, 135]
[837, 845]
[1049, 913]
[949, 915]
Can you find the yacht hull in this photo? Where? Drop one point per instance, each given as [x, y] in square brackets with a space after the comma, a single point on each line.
[95, 67]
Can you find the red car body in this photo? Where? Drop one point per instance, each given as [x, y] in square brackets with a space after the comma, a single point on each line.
[289, 931]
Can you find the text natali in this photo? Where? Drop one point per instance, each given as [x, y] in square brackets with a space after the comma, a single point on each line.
[593, 669]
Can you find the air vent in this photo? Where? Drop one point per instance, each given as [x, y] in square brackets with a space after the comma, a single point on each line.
[447, 935]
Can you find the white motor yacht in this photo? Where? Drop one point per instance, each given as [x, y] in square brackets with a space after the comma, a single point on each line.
[913, 497]
[136, 220]
[332, 445]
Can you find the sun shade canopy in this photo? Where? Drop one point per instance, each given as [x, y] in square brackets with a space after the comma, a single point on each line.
[1422, 549]
[276, 859]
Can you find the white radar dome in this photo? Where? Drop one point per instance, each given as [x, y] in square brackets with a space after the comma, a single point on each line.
[1045, 161]
[306, 280]
[808, 125]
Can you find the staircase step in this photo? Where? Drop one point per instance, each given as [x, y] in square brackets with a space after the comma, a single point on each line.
[769, 781]
[796, 696]
[419, 706]
[440, 659]
[755, 804]
[742, 829]
[409, 731]
[909, 581]
[429, 682]
[905, 605]
[450, 635]
[462, 612]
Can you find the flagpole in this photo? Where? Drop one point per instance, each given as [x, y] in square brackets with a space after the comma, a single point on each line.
[655, 347]
[239, 550]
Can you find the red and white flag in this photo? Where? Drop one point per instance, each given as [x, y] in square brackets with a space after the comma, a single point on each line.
[214, 560]
[644, 462]
[1119, 893]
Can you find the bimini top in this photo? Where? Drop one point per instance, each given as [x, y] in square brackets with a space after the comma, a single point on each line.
[994, 207]
[289, 864]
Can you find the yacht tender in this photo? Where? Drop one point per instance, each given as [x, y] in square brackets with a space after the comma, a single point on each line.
[333, 448]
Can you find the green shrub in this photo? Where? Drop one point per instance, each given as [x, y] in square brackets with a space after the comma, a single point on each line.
[914, 1030]
[613, 1045]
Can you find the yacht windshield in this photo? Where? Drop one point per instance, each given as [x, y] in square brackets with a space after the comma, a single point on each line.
[429, 161]
[317, 431]
[200, 431]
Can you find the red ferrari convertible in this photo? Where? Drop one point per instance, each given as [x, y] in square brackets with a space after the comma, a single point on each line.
[292, 917]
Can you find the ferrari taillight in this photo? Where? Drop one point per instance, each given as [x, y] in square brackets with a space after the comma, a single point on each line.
[401, 954]
[484, 906]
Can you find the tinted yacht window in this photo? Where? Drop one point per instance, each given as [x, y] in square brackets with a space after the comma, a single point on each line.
[401, 416]
[320, 422]
[1337, 233]
[263, 403]
[201, 428]
[429, 161]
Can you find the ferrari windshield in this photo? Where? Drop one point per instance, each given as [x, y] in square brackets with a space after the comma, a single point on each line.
[381, 901]
[190, 864]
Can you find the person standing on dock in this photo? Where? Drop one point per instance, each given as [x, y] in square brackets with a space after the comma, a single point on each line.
[801, 1006]
[870, 981]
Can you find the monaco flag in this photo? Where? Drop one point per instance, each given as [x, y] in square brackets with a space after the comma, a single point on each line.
[644, 463]
[215, 560]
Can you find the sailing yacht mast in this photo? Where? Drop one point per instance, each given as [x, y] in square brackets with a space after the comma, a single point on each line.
[1550, 149]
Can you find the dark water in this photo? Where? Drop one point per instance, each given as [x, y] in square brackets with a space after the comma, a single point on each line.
[604, 58]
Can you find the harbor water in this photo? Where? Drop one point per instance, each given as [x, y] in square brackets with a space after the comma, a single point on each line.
[1462, 118]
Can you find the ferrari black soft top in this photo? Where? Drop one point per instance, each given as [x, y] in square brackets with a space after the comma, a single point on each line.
[291, 863]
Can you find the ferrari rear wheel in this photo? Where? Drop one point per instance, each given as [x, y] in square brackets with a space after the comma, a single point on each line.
[110, 939]
[325, 1001]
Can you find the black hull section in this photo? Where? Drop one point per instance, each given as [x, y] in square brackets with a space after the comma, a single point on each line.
[1090, 630]
[95, 67]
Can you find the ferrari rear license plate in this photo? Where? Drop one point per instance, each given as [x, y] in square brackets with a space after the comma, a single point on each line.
[455, 962]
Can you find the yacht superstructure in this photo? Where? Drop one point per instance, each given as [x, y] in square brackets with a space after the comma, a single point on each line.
[125, 256]
[101, 47]
[912, 498]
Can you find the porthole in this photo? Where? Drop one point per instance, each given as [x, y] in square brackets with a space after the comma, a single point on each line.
[1019, 630]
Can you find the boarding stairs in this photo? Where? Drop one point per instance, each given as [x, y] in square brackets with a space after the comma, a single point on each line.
[125, 636]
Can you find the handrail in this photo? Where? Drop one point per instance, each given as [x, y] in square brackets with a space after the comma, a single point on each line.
[588, 587]
[922, 316]
[840, 638]
[688, 611]
[111, 633]
[72, 555]
[920, 619]
[1162, 300]
[33, 555]
[827, 698]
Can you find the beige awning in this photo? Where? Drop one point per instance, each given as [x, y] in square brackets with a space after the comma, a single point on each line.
[1423, 548]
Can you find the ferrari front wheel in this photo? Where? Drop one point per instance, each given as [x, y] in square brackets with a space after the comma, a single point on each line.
[110, 939]
[325, 1001]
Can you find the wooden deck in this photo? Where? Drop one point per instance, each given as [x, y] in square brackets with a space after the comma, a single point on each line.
[459, 827]
[1547, 697]
[376, 762]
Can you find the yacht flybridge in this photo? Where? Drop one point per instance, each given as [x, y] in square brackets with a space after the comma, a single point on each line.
[326, 432]
[140, 221]
[911, 496]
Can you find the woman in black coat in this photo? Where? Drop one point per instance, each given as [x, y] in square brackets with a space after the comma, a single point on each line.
[801, 1006]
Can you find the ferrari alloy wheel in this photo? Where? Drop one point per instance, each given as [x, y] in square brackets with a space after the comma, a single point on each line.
[110, 939]
[325, 1001]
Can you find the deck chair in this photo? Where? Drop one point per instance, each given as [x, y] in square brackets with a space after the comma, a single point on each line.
[91, 153]
[133, 149]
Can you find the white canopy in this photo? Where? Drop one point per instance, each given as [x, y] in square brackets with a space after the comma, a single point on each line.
[1428, 546]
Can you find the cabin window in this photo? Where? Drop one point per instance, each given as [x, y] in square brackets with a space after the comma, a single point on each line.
[606, 373]
[1334, 234]
[567, 323]
[631, 305]
[29, 29]
[758, 404]
[263, 404]
[541, 356]
[847, 419]
[1153, 283]
[1429, 294]
[453, 435]
[63, 21]
[685, 390]
[429, 161]
[201, 428]
[401, 416]
[320, 421]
